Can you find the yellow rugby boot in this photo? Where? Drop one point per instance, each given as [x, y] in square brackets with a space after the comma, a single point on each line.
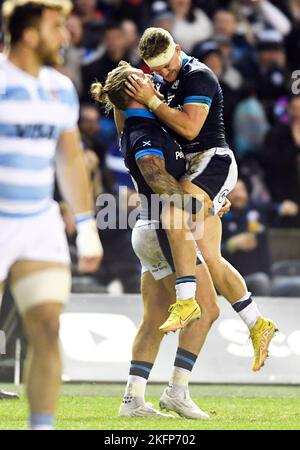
[182, 313]
[261, 334]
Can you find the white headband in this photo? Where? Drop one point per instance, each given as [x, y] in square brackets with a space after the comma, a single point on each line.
[163, 58]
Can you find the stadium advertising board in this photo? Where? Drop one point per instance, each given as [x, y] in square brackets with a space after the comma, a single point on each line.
[97, 332]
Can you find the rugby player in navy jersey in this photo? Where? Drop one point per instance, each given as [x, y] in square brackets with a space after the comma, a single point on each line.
[156, 163]
[193, 110]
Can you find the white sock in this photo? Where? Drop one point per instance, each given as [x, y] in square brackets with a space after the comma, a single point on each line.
[135, 389]
[185, 291]
[251, 313]
[179, 381]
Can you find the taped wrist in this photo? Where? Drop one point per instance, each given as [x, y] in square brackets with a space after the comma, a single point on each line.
[154, 103]
[87, 240]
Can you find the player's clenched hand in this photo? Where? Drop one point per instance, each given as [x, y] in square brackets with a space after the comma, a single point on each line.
[89, 247]
[142, 90]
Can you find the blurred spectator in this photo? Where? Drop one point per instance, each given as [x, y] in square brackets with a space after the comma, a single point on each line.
[268, 74]
[132, 38]
[73, 54]
[90, 129]
[281, 159]
[254, 16]
[164, 21]
[292, 8]
[190, 24]
[89, 125]
[92, 21]
[115, 50]
[245, 241]
[230, 79]
[225, 24]
[212, 6]
[250, 125]
[136, 10]
[250, 169]
[230, 74]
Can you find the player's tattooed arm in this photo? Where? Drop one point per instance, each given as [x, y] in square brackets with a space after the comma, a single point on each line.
[160, 181]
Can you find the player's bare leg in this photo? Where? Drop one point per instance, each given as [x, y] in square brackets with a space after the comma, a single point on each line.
[185, 310]
[156, 301]
[192, 338]
[145, 348]
[175, 223]
[231, 284]
[157, 296]
[41, 325]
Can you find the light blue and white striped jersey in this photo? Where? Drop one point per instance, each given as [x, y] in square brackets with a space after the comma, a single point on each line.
[34, 111]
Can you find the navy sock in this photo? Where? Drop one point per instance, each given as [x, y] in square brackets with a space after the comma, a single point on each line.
[140, 369]
[240, 305]
[187, 279]
[185, 359]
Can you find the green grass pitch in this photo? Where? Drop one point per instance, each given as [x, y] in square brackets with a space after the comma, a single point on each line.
[238, 407]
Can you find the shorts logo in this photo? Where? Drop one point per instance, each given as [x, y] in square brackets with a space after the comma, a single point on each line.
[223, 195]
[158, 267]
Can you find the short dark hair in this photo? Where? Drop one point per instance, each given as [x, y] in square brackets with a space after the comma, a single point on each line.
[23, 17]
[19, 16]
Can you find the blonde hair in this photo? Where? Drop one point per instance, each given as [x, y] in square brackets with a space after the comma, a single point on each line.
[112, 93]
[154, 42]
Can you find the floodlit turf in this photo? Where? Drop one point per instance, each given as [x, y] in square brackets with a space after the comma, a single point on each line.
[95, 406]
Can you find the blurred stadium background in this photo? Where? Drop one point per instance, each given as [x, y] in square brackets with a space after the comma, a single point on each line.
[253, 46]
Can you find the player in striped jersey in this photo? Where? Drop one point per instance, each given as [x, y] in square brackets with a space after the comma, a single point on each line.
[38, 129]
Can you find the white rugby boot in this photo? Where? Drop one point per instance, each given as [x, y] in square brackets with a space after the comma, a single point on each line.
[137, 409]
[182, 404]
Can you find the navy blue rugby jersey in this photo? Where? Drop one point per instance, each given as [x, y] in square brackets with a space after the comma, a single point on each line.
[196, 84]
[143, 135]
